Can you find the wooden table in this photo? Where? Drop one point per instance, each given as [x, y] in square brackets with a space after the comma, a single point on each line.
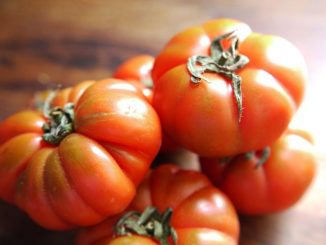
[62, 42]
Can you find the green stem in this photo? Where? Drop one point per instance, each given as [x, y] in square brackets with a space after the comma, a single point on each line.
[150, 223]
[60, 123]
[261, 156]
[223, 62]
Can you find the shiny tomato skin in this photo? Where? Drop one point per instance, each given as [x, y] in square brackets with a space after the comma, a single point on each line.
[14, 156]
[115, 127]
[12, 125]
[276, 185]
[202, 215]
[203, 236]
[59, 185]
[31, 196]
[204, 117]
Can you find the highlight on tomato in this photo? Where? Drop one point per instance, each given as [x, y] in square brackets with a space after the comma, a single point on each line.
[221, 89]
[80, 160]
[268, 180]
[172, 206]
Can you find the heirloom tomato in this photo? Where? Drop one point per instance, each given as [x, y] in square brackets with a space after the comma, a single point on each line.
[80, 160]
[268, 180]
[221, 89]
[197, 212]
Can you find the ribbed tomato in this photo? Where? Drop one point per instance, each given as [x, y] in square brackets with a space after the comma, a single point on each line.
[221, 89]
[81, 160]
[201, 214]
[268, 180]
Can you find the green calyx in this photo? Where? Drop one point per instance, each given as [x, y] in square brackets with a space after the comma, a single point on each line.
[150, 223]
[222, 61]
[60, 123]
[261, 156]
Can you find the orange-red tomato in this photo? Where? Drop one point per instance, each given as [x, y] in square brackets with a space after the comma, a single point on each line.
[206, 116]
[138, 68]
[92, 171]
[275, 185]
[202, 215]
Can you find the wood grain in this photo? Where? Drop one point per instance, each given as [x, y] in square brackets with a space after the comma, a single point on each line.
[45, 43]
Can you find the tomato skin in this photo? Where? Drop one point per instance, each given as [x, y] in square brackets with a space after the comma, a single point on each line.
[136, 68]
[201, 213]
[11, 126]
[14, 156]
[204, 117]
[202, 236]
[276, 185]
[106, 156]
[31, 196]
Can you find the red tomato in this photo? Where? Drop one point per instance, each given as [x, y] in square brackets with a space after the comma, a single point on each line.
[202, 215]
[137, 70]
[78, 165]
[273, 186]
[219, 105]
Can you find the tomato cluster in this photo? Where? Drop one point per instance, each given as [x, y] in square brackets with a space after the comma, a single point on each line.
[81, 157]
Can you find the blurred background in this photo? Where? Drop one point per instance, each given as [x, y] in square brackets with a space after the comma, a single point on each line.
[43, 43]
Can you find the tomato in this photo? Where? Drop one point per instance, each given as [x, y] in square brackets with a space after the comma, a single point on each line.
[277, 184]
[201, 215]
[137, 70]
[80, 162]
[218, 86]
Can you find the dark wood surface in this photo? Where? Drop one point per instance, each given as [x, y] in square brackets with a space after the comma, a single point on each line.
[43, 43]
